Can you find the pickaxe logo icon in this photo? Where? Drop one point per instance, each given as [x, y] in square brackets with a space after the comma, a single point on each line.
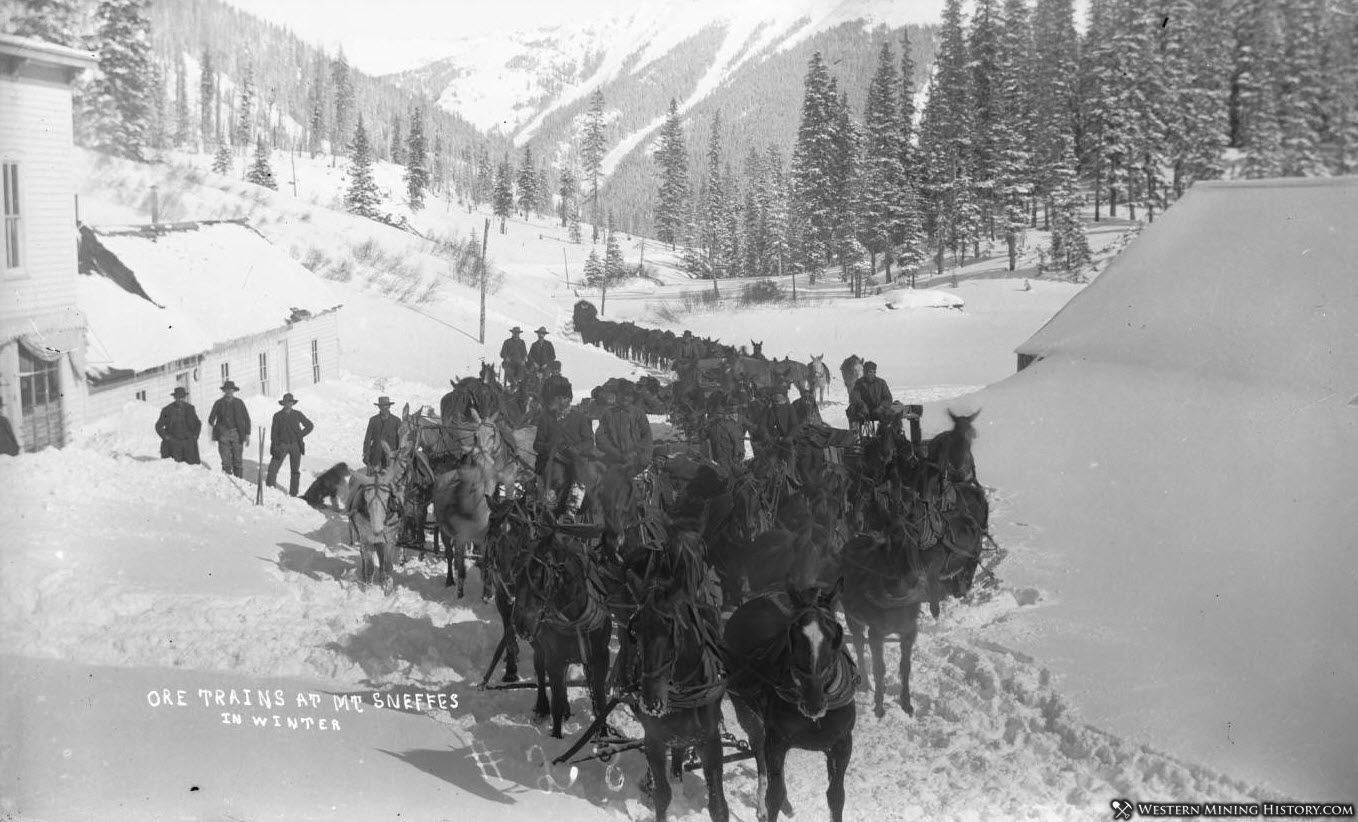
[1122, 809]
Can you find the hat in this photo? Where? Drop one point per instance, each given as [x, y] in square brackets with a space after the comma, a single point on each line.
[229, 386]
[516, 330]
[179, 391]
[288, 399]
[542, 329]
[869, 364]
[383, 402]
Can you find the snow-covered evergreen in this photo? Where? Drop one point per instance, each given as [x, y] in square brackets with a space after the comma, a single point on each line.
[260, 173]
[361, 197]
[416, 162]
[118, 108]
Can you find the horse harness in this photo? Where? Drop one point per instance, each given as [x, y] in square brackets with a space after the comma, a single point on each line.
[844, 679]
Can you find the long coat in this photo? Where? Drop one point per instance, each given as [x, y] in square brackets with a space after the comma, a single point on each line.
[542, 352]
[179, 428]
[9, 444]
[381, 428]
[725, 440]
[229, 413]
[870, 396]
[290, 427]
[514, 350]
[621, 438]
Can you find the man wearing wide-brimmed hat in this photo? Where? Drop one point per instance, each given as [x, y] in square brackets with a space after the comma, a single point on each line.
[287, 438]
[230, 423]
[383, 427]
[513, 354]
[542, 352]
[179, 428]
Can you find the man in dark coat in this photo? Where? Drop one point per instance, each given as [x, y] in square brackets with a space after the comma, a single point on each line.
[230, 424]
[542, 352]
[622, 442]
[179, 428]
[780, 425]
[287, 438]
[383, 427]
[9, 444]
[555, 385]
[690, 348]
[513, 354]
[808, 413]
[724, 439]
[870, 398]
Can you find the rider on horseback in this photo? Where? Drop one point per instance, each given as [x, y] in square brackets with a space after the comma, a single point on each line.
[624, 435]
[724, 437]
[513, 354]
[870, 399]
[554, 385]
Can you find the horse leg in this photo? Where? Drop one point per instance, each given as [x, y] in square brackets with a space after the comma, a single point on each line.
[384, 569]
[461, 554]
[712, 766]
[836, 765]
[859, 648]
[753, 725]
[596, 670]
[543, 708]
[661, 793]
[877, 639]
[561, 707]
[909, 630]
[448, 551]
[677, 763]
[775, 756]
[511, 639]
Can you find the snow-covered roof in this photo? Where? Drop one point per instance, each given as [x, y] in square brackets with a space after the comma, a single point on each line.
[125, 332]
[222, 280]
[1245, 280]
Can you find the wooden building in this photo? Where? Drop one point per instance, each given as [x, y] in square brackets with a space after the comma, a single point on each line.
[42, 332]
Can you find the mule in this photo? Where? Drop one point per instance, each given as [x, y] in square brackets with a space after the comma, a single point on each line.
[462, 517]
[792, 685]
[559, 607]
[818, 377]
[374, 519]
[951, 450]
[851, 371]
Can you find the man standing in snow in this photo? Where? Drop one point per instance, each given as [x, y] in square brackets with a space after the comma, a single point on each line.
[178, 428]
[543, 352]
[9, 444]
[383, 427]
[870, 398]
[513, 354]
[230, 423]
[287, 439]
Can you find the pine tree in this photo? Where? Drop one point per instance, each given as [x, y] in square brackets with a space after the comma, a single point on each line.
[527, 182]
[502, 200]
[779, 243]
[1341, 102]
[1013, 158]
[183, 125]
[1196, 64]
[594, 269]
[885, 193]
[342, 85]
[417, 163]
[592, 153]
[121, 99]
[1256, 94]
[672, 157]
[1302, 85]
[1054, 70]
[158, 133]
[945, 142]
[362, 197]
[244, 131]
[615, 268]
[567, 192]
[397, 150]
[815, 184]
[483, 182]
[207, 83]
[222, 159]
[52, 20]
[260, 173]
[984, 51]
[574, 232]
[714, 213]
[316, 115]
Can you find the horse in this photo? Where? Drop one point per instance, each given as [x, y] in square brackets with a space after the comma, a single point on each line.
[462, 515]
[559, 607]
[731, 520]
[883, 590]
[793, 373]
[818, 377]
[514, 529]
[951, 450]
[757, 350]
[375, 518]
[851, 371]
[680, 683]
[792, 685]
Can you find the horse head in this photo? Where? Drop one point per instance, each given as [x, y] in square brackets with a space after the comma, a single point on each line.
[951, 450]
[815, 639]
[657, 632]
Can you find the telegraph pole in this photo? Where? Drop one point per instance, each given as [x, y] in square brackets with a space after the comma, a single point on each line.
[485, 236]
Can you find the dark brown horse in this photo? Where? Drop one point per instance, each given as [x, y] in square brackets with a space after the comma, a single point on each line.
[792, 685]
[559, 607]
[951, 450]
[680, 682]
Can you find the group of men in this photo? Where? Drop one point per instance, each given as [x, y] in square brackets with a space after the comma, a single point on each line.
[179, 428]
[566, 436]
[514, 355]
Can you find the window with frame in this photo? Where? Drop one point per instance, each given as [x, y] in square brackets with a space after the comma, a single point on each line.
[9, 183]
[141, 395]
[315, 361]
[264, 373]
[40, 401]
[226, 371]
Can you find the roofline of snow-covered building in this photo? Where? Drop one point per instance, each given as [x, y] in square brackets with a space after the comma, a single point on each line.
[14, 49]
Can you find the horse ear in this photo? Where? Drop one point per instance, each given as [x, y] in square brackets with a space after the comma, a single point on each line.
[828, 598]
[952, 416]
[973, 417]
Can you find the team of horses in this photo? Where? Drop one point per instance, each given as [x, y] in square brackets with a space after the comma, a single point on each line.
[716, 584]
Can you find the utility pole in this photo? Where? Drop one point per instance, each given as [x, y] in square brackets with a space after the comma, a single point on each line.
[566, 265]
[485, 236]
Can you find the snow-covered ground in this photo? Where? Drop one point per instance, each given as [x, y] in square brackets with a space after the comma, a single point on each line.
[125, 580]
